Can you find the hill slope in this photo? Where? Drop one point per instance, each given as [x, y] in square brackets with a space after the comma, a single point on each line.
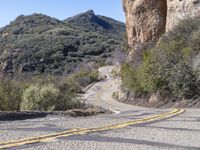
[88, 21]
[39, 44]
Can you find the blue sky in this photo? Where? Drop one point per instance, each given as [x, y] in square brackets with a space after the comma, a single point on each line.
[61, 9]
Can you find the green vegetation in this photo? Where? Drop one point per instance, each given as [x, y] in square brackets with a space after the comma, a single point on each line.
[172, 67]
[10, 95]
[130, 79]
[38, 44]
[88, 22]
[45, 94]
[45, 62]
[76, 82]
[37, 97]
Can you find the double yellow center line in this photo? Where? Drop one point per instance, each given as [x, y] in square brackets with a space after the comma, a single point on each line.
[81, 131]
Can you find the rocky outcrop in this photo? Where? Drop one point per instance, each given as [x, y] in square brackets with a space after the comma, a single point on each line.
[147, 20]
[180, 9]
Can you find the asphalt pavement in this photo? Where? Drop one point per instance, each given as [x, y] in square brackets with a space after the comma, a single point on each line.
[180, 132]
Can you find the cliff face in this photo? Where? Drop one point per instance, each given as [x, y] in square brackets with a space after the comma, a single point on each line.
[180, 9]
[147, 20]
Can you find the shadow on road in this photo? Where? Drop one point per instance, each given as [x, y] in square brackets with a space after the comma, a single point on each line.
[13, 116]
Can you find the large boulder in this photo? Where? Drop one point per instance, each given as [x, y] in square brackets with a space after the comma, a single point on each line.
[147, 20]
[145, 23]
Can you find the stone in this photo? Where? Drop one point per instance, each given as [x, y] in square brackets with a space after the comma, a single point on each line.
[145, 23]
[147, 20]
[180, 9]
[155, 97]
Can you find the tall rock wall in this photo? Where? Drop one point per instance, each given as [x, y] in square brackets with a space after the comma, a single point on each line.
[147, 20]
[180, 9]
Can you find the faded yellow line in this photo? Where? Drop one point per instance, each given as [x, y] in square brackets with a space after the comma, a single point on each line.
[39, 137]
[82, 131]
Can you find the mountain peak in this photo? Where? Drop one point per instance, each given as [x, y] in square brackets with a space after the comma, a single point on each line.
[89, 21]
[90, 12]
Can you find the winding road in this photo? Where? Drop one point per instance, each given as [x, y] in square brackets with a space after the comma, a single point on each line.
[128, 128]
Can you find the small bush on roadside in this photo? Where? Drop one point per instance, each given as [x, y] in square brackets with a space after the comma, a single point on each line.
[44, 94]
[68, 100]
[10, 95]
[130, 79]
[48, 98]
[77, 81]
[84, 78]
[30, 98]
[37, 97]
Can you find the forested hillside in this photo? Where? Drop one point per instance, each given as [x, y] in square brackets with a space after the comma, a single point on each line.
[39, 44]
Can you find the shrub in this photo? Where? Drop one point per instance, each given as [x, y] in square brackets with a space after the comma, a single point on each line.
[130, 79]
[77, 81]
[70, 84]
[67, 100]
[86, 77]
[10, 95]
[168, 68]
[44, 94]
[30, 98]
[38, 97]
[49, 95]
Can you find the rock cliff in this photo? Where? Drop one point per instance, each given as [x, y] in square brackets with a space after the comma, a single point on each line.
[147, 20]
[180, 9]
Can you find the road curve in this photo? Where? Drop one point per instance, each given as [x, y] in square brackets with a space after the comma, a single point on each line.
[128, 129]
[101, 93]
[67, 133]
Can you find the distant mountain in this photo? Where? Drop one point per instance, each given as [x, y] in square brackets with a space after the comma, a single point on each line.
[88, 21]
[39, 44]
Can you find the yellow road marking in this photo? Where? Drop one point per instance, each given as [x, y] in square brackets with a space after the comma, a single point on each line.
[82, 131]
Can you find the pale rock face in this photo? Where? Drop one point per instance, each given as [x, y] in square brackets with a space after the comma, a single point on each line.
[145, 22]
[146, 19]
[180, 9]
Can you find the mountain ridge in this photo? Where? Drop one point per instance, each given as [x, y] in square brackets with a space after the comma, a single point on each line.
[88, 21]
[38, 44]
